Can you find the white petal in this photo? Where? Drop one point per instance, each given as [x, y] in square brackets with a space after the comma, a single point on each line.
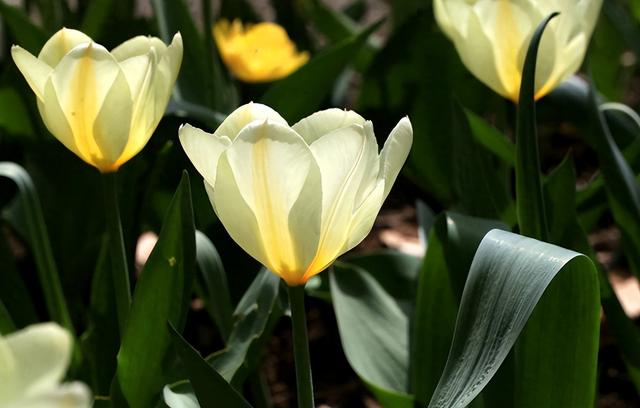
[41, 353]
[321, 123]
[60, 44]
[36, 72]
[395, 152]
[73, 395]
[244, 115]
[203, 149]
[364, 217]
[272, 166]
[137, 46]
[346, 158]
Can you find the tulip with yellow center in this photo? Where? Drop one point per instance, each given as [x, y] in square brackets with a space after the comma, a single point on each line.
[492, 38]
[257, 53]
[296, 197]
[33, 361]
[103, 106]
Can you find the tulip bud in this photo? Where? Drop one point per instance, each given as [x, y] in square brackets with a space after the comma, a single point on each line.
[296, 197]
[492, 38]
[33, 361]
[103, 106]
[257, 53]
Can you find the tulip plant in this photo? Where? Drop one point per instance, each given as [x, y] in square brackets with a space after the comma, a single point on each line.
[249, 223]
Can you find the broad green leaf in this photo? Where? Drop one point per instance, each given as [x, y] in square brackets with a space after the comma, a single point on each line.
[508, 276]
[28, 35]
[185, 109]
[453, 240]
[254, 317]
[210, 388]
[374, 331]
[302, 92]
[623, 190]
[214, 277]
[14, 117]
[163, 293]
[38, 239]
[532, 220]
[101, 341]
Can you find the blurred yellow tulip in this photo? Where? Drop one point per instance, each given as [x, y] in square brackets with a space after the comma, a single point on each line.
[257, 53]
[33, 361]
[296, 197]
[492, 37]
[103, 106]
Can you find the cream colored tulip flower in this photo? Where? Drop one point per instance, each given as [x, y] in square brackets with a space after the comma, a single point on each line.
[103, 106]
[492, 37]
[33, 361]
[296, 197]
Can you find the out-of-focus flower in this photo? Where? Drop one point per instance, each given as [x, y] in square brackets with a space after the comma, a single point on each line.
[296, 197]
[103, 106]
[33, 361]
[257, 53]
[492, 38]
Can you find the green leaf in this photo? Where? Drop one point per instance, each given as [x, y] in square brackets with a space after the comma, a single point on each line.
[530, 204]
[28, 35]
[623, 190]
[218, 301]
[95, 17]
[13, 292]
[453, 240]
[210, 388]
[480, 186]
[491, 138]
[6, 322]
[195, 82]
[38, 239]
[254, 317]
[302, 92]
[508, 276]
[101, 341]
[14, 117]
[162, 294]
[374, 331]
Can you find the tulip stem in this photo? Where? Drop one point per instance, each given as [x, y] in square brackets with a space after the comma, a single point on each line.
[119, 269]
[301, 347]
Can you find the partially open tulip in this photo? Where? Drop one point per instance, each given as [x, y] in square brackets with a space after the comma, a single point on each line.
[103, 106]
[257, 53]
[492, 38]
[33, 361]
[296, 197]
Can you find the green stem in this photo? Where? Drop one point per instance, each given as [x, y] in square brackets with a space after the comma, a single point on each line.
[301, 347]
[119, 269]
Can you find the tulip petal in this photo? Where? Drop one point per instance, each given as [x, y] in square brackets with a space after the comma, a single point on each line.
[138, 46]
[41, 353]
[56, 121]
[244, 115]
[395, 152]
[7, 372]
[346, 158]
[35, 71]
[203, 149]
[60, 44]
[83, 80]
[272, 167]
[364, 217]
[73, 395]
[321, 123]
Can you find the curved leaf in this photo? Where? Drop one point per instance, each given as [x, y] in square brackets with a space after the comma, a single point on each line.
[508, 276]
